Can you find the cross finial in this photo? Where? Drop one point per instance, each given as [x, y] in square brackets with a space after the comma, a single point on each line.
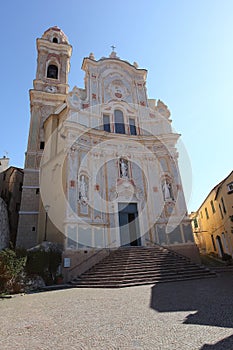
[113, 47]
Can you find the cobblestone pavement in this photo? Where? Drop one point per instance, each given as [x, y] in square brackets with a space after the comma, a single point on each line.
[188, 315]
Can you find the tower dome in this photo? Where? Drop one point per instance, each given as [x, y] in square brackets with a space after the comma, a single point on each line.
[55, 35]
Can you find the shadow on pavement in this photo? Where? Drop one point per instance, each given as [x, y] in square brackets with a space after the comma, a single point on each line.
[225, 344]
[209, 301]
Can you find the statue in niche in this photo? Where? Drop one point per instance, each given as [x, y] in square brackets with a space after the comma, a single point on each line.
[83, 190]
[124, 168]
[167, 191]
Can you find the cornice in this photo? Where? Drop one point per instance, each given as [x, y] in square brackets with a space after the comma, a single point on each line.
[61, 48]
[88, 61]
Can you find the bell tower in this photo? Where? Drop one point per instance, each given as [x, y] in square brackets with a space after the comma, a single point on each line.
[50, 89]
[53, 62]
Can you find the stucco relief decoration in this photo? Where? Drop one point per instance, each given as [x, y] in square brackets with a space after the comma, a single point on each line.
[162, 109]
[113, 194]
[73, 99]
[72, 153]
[117, 90]
[140, 85]
[51, 88]
[139, 194]
[169, 208]
[125, 190]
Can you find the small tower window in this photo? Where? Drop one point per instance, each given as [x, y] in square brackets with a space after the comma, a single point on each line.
[55, 40]
[52, 71]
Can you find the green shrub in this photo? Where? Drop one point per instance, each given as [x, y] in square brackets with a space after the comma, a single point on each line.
[11, 271]
[44, 263]
[17, 266]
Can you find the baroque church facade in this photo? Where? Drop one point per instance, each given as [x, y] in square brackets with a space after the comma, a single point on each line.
[101, 167]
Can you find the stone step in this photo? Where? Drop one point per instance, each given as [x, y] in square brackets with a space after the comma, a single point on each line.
[125, 256]
[143, 273]
[141, 283]
[151, 256]
[142, 266]
[138, 266]
[136, 281]
[141, 257]
[146, 263]
[142, 278]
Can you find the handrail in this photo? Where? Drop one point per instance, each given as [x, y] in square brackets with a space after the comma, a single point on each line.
[85, 261]
[103, 249]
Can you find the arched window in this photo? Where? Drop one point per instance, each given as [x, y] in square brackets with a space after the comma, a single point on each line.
[52, 71]
[119, 122]
[55, 40]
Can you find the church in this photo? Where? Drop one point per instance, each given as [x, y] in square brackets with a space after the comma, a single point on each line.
[101, 166]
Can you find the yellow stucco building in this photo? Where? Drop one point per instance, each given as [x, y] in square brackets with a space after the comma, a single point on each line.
[213, 221]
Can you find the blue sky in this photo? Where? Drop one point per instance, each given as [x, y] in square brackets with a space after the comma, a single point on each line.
[186, 46]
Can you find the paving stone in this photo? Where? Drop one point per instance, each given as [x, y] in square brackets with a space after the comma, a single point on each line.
[185, 315]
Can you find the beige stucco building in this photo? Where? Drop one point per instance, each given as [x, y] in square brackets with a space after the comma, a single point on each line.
[4, 163]
[213, 221]
[101, 168]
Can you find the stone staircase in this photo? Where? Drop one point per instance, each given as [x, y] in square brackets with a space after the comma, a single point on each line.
[133, 266]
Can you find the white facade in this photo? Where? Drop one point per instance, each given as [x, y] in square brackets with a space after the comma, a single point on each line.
[109, 172]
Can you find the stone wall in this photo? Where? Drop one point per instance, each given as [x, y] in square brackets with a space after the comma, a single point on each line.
[191, 251]
[4, 225]
[81, 261]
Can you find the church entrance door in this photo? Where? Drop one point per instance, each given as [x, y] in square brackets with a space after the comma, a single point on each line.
[129, 225]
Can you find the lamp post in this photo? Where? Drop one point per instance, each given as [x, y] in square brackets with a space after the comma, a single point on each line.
[46, 220]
